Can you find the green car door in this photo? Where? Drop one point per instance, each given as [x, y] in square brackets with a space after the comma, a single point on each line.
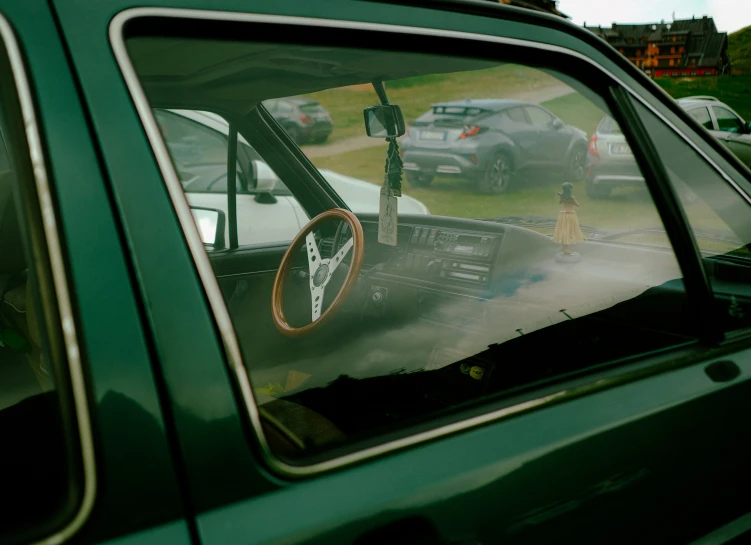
[520, 368]
[85, 447]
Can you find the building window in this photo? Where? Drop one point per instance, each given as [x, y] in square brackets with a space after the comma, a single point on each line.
[638, 52]
[684, 73]
[672, 49]
[671, 62]
[675, 73]
[674, 38]
[681, 49]
[693, 73]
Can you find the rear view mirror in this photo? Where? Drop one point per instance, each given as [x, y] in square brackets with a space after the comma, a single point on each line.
[384, 121]
[747, 127]
[557, 124]
[210, 223]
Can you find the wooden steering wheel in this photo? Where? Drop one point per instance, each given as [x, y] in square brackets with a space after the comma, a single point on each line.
[321, 271]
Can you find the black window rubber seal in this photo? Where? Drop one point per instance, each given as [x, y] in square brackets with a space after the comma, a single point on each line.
[695, 279]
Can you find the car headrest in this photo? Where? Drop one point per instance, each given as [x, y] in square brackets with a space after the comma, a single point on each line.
[12, 259]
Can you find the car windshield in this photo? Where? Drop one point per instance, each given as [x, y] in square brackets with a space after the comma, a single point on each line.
[609, 126]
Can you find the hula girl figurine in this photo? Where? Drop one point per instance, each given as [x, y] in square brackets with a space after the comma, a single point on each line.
[567, 231]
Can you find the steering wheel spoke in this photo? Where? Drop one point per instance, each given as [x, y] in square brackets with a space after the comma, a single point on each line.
[316, 301]
[314, 257]
[339, 256]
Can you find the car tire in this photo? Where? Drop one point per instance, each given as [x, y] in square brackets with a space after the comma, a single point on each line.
[294, 134]
[419, 180]
[577, 163]
[497, 177]
[596, 191]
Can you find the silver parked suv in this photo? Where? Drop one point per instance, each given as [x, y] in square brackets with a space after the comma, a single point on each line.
[611, 164]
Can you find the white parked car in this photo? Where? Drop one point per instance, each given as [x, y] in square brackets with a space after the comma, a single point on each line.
[266, 210]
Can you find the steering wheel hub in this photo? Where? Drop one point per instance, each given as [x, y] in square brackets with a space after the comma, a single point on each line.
[320, 275]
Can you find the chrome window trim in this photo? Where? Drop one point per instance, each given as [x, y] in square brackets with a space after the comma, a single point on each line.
[210, 282]
[57, 266]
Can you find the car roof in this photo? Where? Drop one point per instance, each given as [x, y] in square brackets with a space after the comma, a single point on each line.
[689, 103]
[492, 104]
[300, 100]
[698, 101]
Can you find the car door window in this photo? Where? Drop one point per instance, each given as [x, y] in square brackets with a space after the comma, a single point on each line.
[284, 107]
[719, 216]
[40, 459]
[517, 115]
[702, 116]
[198, 142]
[727, 121]
[518, 278]
[539, 118]
[271, 105]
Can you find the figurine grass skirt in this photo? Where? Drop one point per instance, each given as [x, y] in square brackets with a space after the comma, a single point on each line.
[567, 229]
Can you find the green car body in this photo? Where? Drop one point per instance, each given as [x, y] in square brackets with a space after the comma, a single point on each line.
[658, 454]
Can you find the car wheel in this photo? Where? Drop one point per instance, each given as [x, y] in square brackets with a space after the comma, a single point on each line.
[497, 177]
[419, 180]
[320, 139]
[596, 191]
[576, 164]
[294, 134]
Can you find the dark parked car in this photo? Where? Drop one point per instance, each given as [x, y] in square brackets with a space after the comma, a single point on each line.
[304, 119]
[489, 141]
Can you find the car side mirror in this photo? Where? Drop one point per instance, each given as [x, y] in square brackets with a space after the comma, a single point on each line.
[384, 121]
[557, 124]
[747, 127]
[211, 223]
[265, 181]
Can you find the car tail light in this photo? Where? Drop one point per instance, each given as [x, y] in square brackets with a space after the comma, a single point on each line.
[472, 131]
[592, 148]
[305, 119]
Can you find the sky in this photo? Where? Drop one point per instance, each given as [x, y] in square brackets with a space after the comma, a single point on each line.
[729, 15]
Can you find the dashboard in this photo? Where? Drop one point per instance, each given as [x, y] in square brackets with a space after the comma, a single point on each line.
[476, 275]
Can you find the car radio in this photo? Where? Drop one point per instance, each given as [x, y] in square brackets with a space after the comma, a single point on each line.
[453, 255]
[464, 245]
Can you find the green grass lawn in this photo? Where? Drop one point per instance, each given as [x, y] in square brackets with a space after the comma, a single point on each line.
[739, 49]
[532, 195]
[457, 197]
[415, 95]
[575, 110]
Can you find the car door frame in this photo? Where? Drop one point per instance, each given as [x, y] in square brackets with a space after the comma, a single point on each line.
[552, 155]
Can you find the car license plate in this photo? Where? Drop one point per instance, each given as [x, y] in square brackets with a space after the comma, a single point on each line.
[620, 149]
[432, 135]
